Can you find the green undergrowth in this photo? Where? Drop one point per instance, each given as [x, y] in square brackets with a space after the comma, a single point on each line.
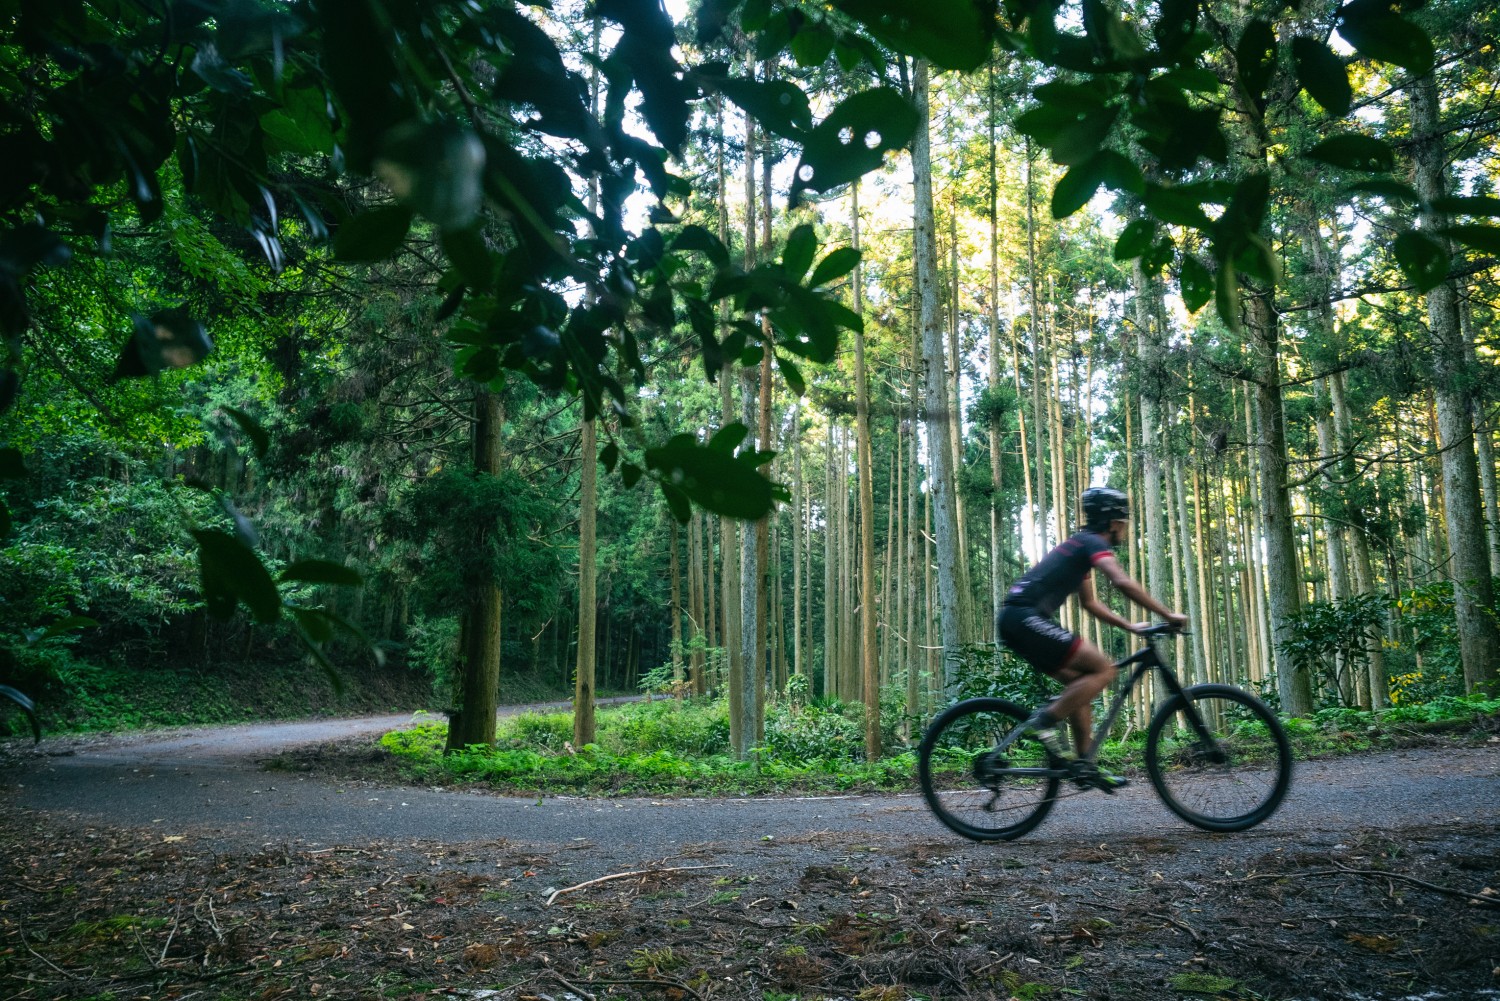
[682, 748]
[659, 748]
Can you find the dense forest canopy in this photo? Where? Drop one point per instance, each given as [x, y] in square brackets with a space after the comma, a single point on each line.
[322, 317]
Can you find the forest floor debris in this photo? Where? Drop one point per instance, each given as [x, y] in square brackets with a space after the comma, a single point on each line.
[91, 912]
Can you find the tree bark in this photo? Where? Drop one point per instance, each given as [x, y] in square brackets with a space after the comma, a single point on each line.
[1473, 588]
[583, 677]
[939, 449]
[869, 667]
[479, 625]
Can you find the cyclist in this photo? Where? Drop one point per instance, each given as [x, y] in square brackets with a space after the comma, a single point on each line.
[1027, 623]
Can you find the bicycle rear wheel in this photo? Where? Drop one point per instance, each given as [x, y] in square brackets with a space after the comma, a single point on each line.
[1218, 758]
[975, 791]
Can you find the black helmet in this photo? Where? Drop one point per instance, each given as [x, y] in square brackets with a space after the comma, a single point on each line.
[1102, 505]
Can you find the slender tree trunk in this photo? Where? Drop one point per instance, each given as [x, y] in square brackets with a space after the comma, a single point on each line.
[798, 667]
[479, 626]
[1152, 386]
[869, 668]
[939, 448]
[676, 612]
[1473, 587]
[583, 677]
[997, 581]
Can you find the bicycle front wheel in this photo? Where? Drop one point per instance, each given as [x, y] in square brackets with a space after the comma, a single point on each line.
[1218, 758]
[976, 791]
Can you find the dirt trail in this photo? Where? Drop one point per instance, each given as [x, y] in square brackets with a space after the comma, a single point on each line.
[1374, 880]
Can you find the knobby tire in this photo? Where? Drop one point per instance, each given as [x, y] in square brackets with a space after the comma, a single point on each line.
[972, 791]
[1231, 782]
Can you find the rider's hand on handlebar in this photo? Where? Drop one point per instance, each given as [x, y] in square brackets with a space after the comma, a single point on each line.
[1177, 620]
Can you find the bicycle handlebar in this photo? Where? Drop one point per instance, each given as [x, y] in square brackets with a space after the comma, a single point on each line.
[1160, 629]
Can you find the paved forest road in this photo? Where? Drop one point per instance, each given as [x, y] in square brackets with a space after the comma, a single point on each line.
[209, 782]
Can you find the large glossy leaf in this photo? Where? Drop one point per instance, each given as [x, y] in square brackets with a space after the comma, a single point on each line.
[1376, 32]
[1197, 283]
[1134, 240]
[1353, 151]
[1485, 238]
[321, 572]
[373, 235]
[231, 573]
[953, 34]
[1422, 259]
[780, 106]
[854, 139]
[1255, 57]
[170, 338]
[259, 439]
[437, 168]
[1471, 205]
[1323, 75]
[713, 479]
[836, 265]
[797, 254]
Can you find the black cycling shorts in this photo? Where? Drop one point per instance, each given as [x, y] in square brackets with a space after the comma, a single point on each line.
[1041, 641]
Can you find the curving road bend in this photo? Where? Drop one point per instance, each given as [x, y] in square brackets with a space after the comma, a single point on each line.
[210, 783]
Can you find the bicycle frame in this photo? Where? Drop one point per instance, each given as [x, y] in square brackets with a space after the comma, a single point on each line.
[1144, 660]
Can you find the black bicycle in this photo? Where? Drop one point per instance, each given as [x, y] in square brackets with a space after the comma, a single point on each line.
[1216, 755]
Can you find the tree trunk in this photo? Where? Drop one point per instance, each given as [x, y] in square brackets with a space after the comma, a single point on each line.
[1473, 588]
[478, 687]
[583, 678]
[939, 450]
[869, 668]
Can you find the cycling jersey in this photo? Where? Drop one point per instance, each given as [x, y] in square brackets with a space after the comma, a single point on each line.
[1045, 586]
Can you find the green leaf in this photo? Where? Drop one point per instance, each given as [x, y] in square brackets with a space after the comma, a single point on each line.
[953, 34]
[321, 572]
[315, 623]
[466, 249]
[812, 44]
[1485, 238]
[166, 339]
[854, 139]
[1255, 57]
[792, 375]
[231, 573]
[797, 255]
[726, 439]
[436, 168]
[1134, 240]
[64, 625]
[697, 238]
[609, 455]
[1353, 151]
[373, 235]
[1197, 284]
[677, 502]
[630, 474]
[713, 479]
[259, 439]
[1176, 206]
[1074, 189]
[1473, 205]
[1080, 183]
[780, 106]
[1227, 297]
[1422, 259]
[1376, 33]
[836, 265]
[1323, 75]
[1389, 190]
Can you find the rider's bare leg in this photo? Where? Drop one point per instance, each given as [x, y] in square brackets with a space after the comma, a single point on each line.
[1087, 673]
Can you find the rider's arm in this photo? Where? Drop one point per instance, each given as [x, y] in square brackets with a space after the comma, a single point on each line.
[1110, 567]
[1099, 609]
